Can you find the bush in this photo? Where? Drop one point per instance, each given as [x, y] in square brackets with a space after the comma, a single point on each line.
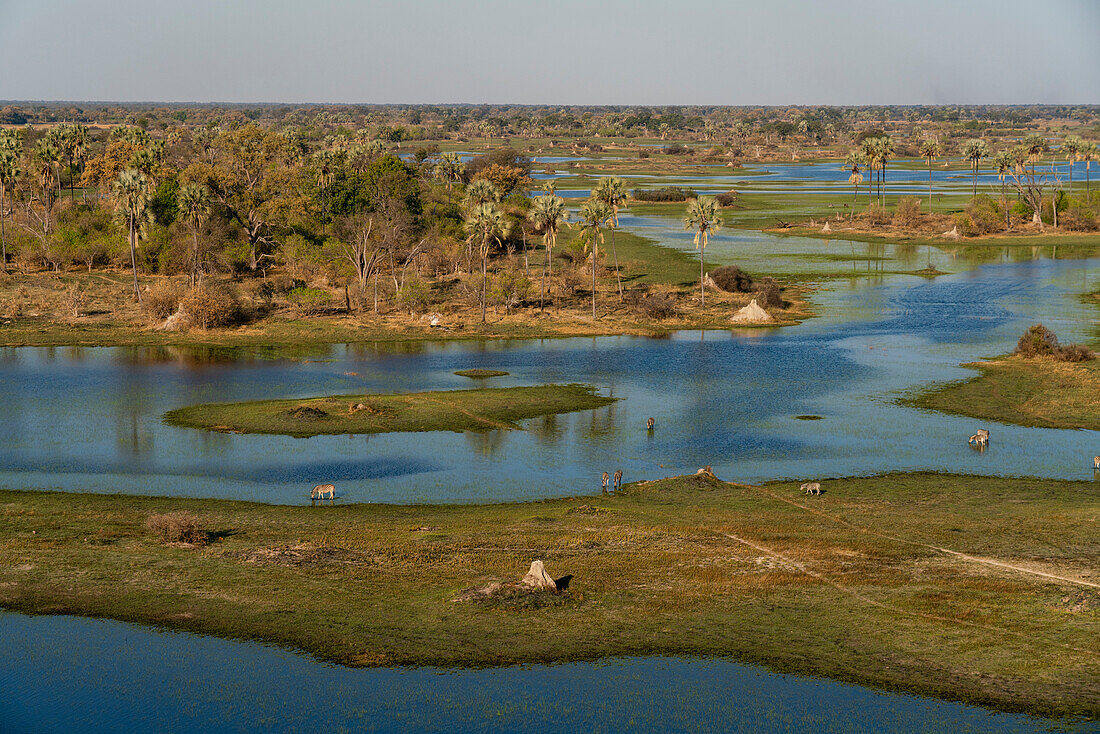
[732, 279]
[769, 294]
[209, 307]
[415, 295]
[669, 193]
[162, 300]
[659, 306]
[508, 290]
[309, 301]
[727, 198]
[677, 149]
[178, 527]
[908, 212]
[964, 225]
[1078, 217]
[1037, 341]
[985, 215]
[1073, 353]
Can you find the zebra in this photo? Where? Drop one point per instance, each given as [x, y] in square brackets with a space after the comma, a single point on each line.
[649, 424]
[321, 490]
[811, 488]
[605, 477]
[618, 479]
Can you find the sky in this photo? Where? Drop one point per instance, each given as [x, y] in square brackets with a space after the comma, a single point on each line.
[617, 52]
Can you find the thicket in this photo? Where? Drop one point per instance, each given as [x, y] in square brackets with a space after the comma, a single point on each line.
[668, 193]
[1039, 341]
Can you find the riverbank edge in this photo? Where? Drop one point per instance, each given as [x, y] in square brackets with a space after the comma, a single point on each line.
[923, 688]
[980, 396]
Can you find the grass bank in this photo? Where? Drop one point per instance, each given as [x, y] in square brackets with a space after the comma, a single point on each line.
[864, 583]
[443, 410]
[1025, 392]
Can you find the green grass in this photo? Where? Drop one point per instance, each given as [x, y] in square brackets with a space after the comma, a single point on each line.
[847, 585]
[445, 410]
[480, 373]
[1024, 392]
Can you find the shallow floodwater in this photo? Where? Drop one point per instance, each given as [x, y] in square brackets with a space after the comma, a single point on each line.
[89, 419]
[68, 674]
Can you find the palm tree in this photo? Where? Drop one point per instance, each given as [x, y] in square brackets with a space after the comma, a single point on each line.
[869, 150]
[131, 198]
[1035, 146]
[73, 141]
[1088, 155]
[974, 151]
[930, 150]
[485, 223]
[705, 217]
[1005, 163]
[481, 191]
[547, 214]
[194, 202]
[1072, 148]
[10, 149]
[884, 149]
[612, 191]
[326, 162]
[450, 169]
[853, 161]
[594, 214]
[45, 158]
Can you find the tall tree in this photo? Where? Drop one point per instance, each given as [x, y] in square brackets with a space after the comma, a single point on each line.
[1088, 155]
[853, 162]
[450, 168]
[11, 150]
[869, 151]
[73, 141]
[485, 224]
[973, 151]
[45, 158]
[195, 203]
[131, 193]
[326, 161]
[884, 150]
[612, 192]
[1072, 147]
[1005, 164]
[705, 217]
[594, 215]
[930, 150]
[547, 215]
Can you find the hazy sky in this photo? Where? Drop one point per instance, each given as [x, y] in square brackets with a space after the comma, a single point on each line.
[556, 52]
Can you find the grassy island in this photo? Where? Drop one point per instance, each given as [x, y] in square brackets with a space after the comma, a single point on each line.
[443, 410]
[976, 589]
[478, 373]
[1026, 392]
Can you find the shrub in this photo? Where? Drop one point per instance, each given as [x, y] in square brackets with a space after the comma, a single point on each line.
[659, 306]
[677, 149]
[908, 212]
[1037, 341]
[985, 215]
[309, 301]
[1078, 217]
[964, 225]
[876, 215]
[669, 193]
[209, 307]
[1021, 211]
[415, 295]
[769, 294]
[1073, 353]
[727, 198]
[732, 279]
[508, 290]
[162, 300]
[178, 527]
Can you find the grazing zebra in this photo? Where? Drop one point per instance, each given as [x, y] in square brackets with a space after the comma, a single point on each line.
[618, 479]
[605, 477]
[979, 439]
[321, 490]
[1096, 462]
[811, 488]
[649, 424]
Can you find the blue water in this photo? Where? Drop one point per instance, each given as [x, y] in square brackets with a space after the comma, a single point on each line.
[68, 674]
[82, 419]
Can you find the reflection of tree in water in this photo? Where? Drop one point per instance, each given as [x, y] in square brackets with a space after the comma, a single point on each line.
[212, 443]
[906, 254]
[601, 421]
[486, 443]
[546, 429]
[130, 437]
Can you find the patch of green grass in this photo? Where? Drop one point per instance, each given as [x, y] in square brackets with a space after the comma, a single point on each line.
[848, 585]
[478, 373]
[445, 410]
[1025, 392]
